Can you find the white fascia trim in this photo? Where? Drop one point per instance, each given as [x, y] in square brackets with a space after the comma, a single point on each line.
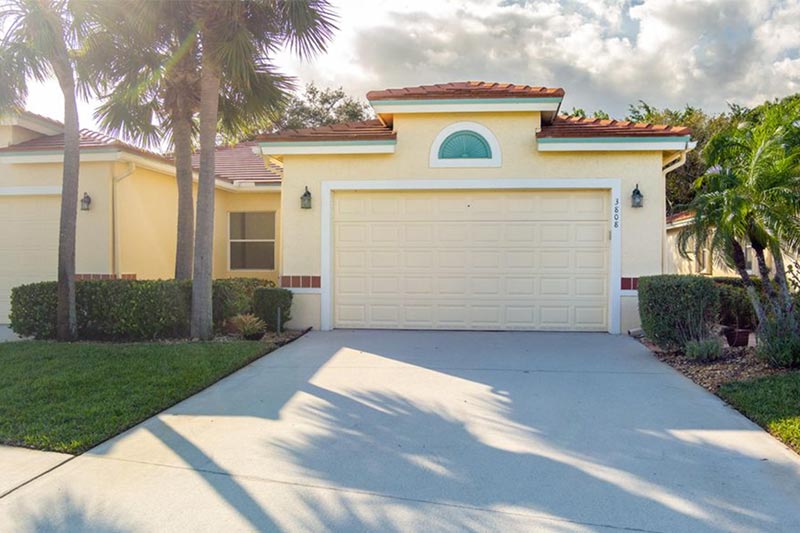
[613, 185]
[87, 156]
[325, 149]
[496, 160]
[466, 107]
[54, 190]
[568, 146]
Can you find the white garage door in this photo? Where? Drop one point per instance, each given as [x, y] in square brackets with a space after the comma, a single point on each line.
[471, 260]
[28, 244]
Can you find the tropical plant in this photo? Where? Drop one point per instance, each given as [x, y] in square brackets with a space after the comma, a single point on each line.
[238, 38]
[38, 40]
[144, 63]
[751, 198]
[248, 326]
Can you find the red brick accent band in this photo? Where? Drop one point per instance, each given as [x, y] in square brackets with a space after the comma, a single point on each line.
[98, 277]
[301, 282]
[630, 284]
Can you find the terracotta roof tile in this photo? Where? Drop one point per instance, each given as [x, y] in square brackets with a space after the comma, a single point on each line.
[367, 130]
[239, 164]
[90, 140]
[465, 90]
[570, 127]
[680, 217]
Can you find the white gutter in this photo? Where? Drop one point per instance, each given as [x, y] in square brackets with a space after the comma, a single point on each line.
[115, 239]
[676, 161]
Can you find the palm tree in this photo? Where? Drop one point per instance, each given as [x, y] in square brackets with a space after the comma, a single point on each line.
[751, 197]
[38, 39]
[146, 69]
[239, 38]
[142, 61]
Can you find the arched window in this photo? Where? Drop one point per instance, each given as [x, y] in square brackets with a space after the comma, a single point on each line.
[465, 145]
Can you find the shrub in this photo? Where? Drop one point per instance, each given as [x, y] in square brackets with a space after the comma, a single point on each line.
[125, 309]
[266, 303]
[234, 296]
[704, 350]
[736, 311]
[675, 309]
[779, 340]
[248, 325]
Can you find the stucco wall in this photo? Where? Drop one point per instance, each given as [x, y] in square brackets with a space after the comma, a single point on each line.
[642, 229]
[93, 233]
[148, 215]
[227, 202]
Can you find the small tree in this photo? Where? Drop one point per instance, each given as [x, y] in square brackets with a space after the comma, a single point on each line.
[751, 197]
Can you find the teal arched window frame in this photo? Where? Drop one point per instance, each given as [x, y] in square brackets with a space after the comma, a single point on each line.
[465, 144]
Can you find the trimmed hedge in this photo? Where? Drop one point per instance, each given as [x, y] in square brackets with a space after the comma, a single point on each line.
[676, 309]
[266, 303]
[127, 309]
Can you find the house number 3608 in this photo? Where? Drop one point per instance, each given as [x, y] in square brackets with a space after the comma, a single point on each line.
[616, 212]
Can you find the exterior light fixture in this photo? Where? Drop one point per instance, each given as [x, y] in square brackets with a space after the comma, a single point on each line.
[86, 202]
[305, 200]
[637, 198]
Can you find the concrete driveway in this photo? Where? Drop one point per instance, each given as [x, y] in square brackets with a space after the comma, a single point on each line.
[401, 431]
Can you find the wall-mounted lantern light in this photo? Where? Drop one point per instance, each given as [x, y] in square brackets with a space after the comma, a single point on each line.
[86, 202]
[305, 200]
[637, 198]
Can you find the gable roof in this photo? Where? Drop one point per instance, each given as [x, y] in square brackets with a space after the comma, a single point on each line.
[465, 90]
[577, 127]
[89, 140]
[237, 164]
[366, 130]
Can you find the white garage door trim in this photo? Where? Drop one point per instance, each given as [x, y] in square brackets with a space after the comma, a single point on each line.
[613, 185]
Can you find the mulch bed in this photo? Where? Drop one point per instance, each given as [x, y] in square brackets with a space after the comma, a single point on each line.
[284, 337]
[736, 364]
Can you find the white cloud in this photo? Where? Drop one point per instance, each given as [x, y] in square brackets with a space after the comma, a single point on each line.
[605, 53]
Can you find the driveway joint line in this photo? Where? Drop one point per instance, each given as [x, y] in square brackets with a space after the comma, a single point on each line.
[377, 495]
[37, 476]
[521, 370]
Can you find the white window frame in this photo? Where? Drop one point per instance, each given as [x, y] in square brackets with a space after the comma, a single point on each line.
[495, 161]
[273, 240]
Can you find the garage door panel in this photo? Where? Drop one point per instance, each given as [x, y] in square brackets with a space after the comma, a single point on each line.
[28, 244]
[464, 260]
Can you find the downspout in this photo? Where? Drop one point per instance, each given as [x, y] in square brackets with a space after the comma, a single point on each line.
[676, 161]
[115, 244]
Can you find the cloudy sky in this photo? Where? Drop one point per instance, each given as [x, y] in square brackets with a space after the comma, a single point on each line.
[606, 54]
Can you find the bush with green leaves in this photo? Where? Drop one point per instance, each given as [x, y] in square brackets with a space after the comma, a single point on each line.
[266, 303]
[248, 325]
[127, 310]
[704, 350]
[779, 340]
[736, 310]
[675, 309]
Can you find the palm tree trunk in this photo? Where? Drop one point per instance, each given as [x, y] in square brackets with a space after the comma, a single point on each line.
[182, 136]
[210, 79]
[752, 293]
[767, 287]
[66, 322]
[780, 278]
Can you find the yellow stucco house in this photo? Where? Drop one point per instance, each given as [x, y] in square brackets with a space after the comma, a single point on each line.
[465, 205]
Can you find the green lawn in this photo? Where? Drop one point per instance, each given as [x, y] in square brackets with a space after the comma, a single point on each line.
[772, 402]
[68, 397]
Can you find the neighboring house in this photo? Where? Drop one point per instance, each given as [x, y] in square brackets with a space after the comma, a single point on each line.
[130, 227]
[700, 262]
[463, 206]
